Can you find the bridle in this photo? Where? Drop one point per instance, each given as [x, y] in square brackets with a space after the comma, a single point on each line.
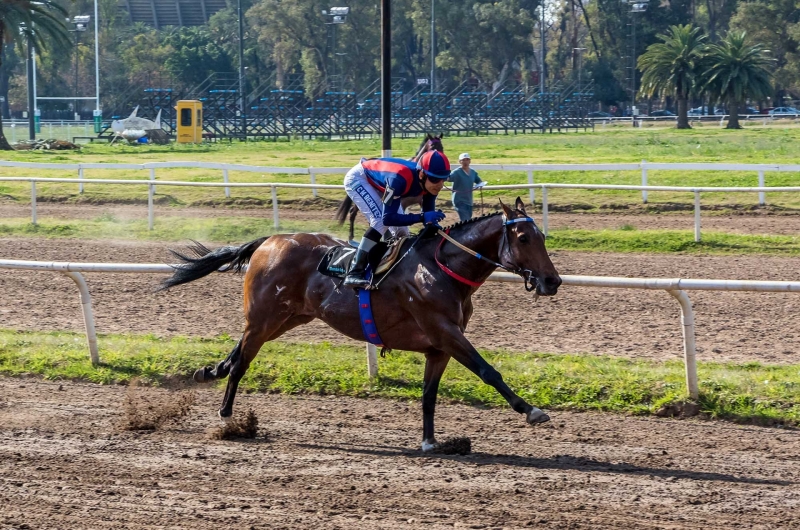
[526, 274]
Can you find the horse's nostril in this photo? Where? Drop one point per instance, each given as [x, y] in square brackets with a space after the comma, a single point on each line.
[552, 281]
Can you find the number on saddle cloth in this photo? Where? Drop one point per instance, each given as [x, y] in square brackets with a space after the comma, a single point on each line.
[336, 261]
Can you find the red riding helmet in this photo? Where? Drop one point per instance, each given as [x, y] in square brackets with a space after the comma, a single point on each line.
[434, 164]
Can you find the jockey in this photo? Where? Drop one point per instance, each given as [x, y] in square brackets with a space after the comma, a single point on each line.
[377, 185]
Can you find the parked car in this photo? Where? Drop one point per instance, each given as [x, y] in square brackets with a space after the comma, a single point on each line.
[749, 110]
[599, 114]
[766, 110]
[784, 111]
[662, 113]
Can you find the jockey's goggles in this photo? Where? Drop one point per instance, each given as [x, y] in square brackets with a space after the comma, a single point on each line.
[434, 180]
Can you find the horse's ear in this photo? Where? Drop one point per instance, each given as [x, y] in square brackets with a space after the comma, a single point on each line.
[441, 135]
[506, 210]
[519, 205]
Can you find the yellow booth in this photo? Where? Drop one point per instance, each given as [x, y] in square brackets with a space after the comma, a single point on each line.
[190, 121]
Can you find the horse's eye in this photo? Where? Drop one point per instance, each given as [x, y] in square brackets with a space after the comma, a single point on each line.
[523, 238]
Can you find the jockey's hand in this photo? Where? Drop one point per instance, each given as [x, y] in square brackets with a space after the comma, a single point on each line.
[432, 217]
[480, 184]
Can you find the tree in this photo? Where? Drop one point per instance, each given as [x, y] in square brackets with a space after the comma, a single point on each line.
[737, 71]
[674, 67]
[23, 21]
[775, 25]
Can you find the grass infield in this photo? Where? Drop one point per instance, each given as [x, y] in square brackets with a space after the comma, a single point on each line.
[752, 392]
[751, 145]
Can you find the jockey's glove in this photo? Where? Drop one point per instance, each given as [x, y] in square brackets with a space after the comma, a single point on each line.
[432, 217]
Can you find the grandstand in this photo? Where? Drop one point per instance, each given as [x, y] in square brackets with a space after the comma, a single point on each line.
[162, 13]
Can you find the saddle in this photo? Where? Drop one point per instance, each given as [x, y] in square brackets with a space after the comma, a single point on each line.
[336, 262]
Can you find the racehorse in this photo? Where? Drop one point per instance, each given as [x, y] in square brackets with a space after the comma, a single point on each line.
[429, 143]
[424, 305]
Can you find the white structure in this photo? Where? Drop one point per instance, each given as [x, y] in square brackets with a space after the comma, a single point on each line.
[676, 287]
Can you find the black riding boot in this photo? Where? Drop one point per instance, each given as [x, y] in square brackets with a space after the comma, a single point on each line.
[356, 276]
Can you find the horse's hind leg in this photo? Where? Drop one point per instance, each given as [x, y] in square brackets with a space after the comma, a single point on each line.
[222, 368]
[249, 346]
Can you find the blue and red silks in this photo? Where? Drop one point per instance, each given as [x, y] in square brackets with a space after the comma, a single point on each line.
[365, 315]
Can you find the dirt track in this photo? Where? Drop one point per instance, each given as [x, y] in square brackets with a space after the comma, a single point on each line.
[348, 463]
[733, 326]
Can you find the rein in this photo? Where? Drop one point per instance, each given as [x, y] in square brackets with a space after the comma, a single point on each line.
[526, 274]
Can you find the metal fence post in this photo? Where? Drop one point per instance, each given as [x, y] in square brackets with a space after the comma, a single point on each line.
[372, 361]
[150, 209]
[532, 192]
[275, 207]
[88, 316]
[313, 181]
[225, 180]
[696, 216]
[33, 202]
[153, 176]
[544, 210]
[644, 181]
[762, 197]
[689, 348]
[80, 176]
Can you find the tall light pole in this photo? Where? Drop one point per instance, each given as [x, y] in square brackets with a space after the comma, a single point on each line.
[580, 63]
[637, 6]
[81, 23]
[31, 99]
[433, 46]
[386, 78]
[338, 16]
[543, 51]
[97, 115]
[242, 99]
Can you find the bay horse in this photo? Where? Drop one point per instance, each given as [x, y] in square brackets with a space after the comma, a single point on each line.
[429, 143]
[424, 305]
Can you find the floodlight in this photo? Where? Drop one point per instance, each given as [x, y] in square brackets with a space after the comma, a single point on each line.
[81, 22]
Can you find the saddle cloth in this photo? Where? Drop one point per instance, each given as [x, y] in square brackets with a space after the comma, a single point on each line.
[336, 262]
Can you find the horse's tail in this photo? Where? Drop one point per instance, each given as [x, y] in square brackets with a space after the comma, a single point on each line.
[343, 210]
[205, 261]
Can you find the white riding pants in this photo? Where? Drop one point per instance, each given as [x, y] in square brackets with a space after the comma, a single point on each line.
[369, 201]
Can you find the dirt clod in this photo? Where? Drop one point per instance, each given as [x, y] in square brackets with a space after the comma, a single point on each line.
[149, 414]
[239, 427]
[454, 446]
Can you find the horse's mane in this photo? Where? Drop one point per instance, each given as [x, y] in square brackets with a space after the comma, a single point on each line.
[473, 220]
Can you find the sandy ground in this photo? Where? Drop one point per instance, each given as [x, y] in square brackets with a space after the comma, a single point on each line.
[622, 322]
[342, 463]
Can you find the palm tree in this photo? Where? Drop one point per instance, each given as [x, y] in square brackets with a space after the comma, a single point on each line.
[736, 71]
[21, 20]
[672, 67]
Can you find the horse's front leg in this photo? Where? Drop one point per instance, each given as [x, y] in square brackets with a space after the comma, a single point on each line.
[435, 363]
[456, 345]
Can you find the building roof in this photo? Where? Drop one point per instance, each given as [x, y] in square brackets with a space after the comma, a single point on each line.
[161, 13]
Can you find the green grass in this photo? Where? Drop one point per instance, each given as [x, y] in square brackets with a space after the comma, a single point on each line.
[241, 230]
[751, 392]
[752, 145]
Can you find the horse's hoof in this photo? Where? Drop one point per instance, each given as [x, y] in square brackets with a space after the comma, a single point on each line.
[200, 375]
[429, 445]
[224, 419]
[536, 416]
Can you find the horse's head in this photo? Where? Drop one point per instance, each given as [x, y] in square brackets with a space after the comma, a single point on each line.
[524, 252]
[430, 143]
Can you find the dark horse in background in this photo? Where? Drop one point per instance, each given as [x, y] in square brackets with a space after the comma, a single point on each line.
[429, 143]
[424, 305]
